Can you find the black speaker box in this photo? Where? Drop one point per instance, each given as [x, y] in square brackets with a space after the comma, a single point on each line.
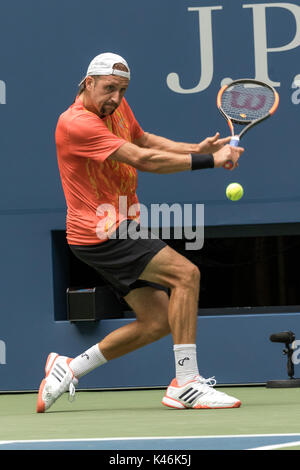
[93, 304]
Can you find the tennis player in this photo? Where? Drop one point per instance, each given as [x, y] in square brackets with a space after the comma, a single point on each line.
[100, 147]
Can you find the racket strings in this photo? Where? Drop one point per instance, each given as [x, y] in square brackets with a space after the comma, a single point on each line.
[246, 103]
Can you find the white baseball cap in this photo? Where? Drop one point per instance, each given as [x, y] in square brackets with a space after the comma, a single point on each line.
[103, 64]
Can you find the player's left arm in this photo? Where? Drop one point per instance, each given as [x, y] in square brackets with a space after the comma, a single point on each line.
[208, 145]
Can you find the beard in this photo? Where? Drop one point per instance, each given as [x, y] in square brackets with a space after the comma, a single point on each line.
[107, 110]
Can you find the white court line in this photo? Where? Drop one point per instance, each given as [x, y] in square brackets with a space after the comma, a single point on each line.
[277, 446]
[99, 439]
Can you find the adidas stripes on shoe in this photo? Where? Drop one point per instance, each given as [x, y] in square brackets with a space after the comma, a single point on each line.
[58, 379]
[198, 393]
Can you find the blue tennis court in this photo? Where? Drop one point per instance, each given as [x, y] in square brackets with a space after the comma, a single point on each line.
[246, 442]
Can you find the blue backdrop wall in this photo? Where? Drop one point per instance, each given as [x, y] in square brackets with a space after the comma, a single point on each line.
[179, 53]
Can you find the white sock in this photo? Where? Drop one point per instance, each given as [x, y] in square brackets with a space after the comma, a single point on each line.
[87, 361]
[185, 362]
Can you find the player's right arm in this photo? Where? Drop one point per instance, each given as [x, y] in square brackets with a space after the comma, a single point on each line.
[159, 161]
[89, 137]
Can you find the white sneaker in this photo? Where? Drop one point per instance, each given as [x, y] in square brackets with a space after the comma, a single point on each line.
[58, 379]
[198, 393]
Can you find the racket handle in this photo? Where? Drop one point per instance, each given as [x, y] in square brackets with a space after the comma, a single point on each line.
[235, 143]
[235, 140]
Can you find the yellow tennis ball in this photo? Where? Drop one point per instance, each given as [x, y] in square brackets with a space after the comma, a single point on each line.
[234, 191]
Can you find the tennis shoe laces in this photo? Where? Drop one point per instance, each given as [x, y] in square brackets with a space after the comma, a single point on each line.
[59, 378]
[198, 393]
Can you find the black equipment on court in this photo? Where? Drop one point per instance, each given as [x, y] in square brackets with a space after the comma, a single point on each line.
[288, 338]
[92, 304]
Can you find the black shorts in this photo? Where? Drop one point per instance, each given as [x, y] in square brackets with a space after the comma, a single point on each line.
[121, 260]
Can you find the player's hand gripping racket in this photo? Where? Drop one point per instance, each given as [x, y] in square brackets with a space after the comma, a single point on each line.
[246, 102]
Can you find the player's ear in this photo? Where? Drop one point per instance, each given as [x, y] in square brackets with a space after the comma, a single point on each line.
[89, 83]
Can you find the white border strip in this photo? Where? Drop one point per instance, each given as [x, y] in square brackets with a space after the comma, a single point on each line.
[277, 446]
[228, 436]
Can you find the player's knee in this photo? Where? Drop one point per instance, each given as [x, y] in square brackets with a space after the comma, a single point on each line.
[159, 329]
[196, 275]
[191, 276]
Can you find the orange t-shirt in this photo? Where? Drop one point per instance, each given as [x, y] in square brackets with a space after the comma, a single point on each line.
[92, 184]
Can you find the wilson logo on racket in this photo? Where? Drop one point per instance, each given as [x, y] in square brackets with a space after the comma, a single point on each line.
[246, 102]
[252, 103]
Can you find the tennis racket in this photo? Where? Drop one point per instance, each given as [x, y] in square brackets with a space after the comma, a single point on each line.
[246, 102]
